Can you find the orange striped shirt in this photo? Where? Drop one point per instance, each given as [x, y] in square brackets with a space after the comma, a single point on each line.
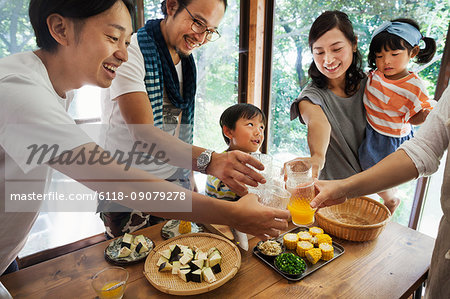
[391, 103]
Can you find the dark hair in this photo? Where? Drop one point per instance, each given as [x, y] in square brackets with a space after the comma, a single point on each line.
[233, 113]
[78, 10]
[180, 7]
[324, 23]
[387, 41]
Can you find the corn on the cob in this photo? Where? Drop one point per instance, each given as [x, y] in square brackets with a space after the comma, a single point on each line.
[313, 255]
[304, 236]
[314, 241]
[315, 231]
[324, 238]
[327, 251]
[302, 247]
[184, 227]
[290, 241]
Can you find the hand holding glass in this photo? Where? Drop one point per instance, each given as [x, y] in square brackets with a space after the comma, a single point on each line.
[301, 186]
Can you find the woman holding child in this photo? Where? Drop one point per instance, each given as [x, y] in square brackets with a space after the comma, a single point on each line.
[332, 105]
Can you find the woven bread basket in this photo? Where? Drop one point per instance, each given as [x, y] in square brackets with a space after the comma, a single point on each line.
[358, 219]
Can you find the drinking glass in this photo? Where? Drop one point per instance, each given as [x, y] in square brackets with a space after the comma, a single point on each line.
[299, 202]
[300, 183]
[275, 197]
[266, 160]
[299, 170]
[110, 282]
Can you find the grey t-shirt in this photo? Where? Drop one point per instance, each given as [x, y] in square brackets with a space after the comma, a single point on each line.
[348, 121]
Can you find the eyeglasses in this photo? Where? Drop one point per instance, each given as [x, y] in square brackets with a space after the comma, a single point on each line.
[198, 27]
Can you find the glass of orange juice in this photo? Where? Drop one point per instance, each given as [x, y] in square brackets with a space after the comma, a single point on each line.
[300, 183]
[301, 196]
[110, 282]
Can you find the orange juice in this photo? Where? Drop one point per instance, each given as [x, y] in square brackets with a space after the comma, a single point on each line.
[301, 211]
[115, 293]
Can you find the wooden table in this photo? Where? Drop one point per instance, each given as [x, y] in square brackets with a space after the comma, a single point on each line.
[392, 266]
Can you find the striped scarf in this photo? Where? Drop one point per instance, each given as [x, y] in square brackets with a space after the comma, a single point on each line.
[161, 73]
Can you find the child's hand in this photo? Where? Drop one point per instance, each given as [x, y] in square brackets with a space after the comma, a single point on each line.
[419, 117]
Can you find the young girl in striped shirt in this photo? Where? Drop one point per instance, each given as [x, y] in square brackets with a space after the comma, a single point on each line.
[394, 98]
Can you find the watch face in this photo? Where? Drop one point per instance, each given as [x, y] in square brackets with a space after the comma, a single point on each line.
[203, 159]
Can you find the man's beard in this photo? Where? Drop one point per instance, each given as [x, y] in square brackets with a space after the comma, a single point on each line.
[181, 54]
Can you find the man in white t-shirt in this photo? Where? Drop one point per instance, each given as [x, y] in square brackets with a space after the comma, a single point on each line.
[84, 42]
[157, 86]
[34, 102]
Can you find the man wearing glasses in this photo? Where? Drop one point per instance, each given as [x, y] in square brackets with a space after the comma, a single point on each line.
[157, 86]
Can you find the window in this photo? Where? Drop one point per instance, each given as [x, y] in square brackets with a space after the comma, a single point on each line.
[292, 57]
[16, 33]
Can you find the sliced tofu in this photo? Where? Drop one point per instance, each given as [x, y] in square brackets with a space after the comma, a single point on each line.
[185, 274]
[161, 260]
[214, 259]
[141, 248]
[200, 255]
[176, 267]
[124, 252]
[208, 275]
[166, 266]
[198, 263]
[165, 253]
[127, 238]
[186, 259]
[140, 239]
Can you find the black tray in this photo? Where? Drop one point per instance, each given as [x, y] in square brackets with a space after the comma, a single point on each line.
[310, 268]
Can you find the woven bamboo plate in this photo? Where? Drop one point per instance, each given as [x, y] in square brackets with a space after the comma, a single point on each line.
[174, 285]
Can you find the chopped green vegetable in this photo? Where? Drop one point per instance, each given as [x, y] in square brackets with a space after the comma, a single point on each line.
[290, 263]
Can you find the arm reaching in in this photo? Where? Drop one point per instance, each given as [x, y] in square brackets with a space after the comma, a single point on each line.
[230, 167]
[246, 215]
[393, 170]
[319, 131]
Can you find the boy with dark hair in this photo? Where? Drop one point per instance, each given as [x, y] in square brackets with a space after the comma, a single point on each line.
[242, 129]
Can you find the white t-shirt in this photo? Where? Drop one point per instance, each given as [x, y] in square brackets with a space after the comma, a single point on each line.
[431, 140]
[31, 113]
[130, 78]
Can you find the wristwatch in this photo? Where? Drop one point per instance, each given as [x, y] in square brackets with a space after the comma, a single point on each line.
[203, 160]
